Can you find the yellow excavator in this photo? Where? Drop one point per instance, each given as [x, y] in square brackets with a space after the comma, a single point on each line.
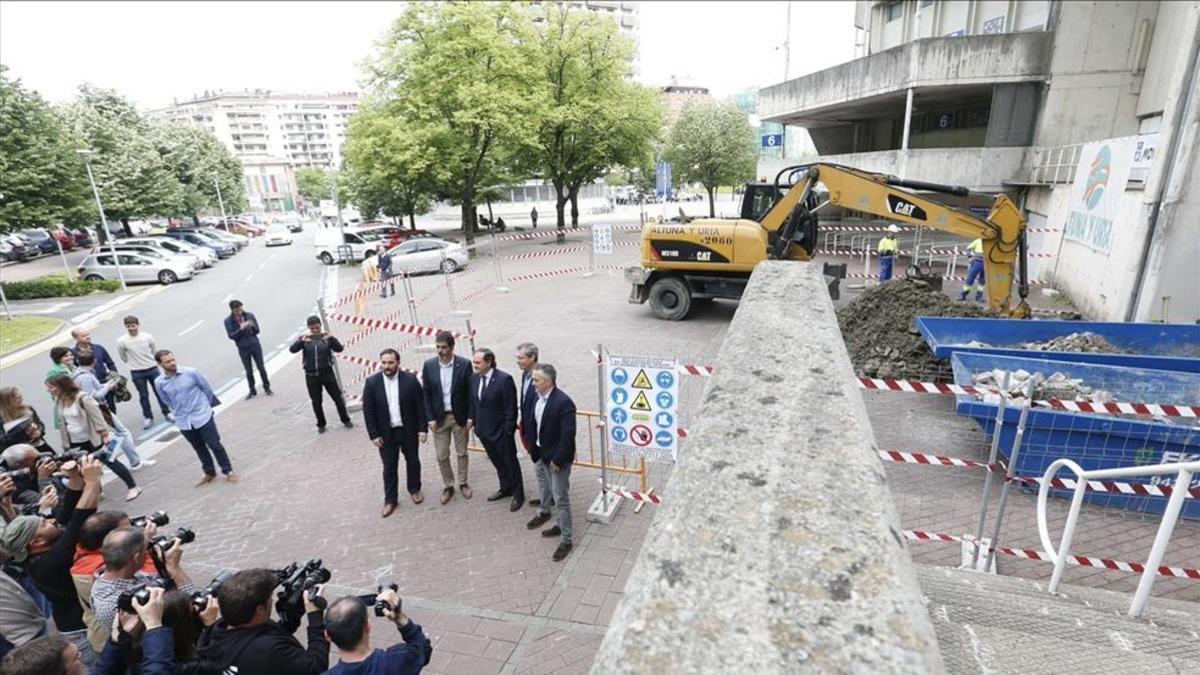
[714, 257]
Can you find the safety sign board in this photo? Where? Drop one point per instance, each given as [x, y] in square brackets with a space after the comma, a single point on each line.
[602, 239]
[643, 419]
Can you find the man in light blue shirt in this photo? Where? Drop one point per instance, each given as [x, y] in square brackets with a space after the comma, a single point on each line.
[191, 399]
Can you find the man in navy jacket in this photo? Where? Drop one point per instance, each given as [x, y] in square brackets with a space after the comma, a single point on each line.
[550, 431]
[493, 415]
[242, 327]
[394, 412]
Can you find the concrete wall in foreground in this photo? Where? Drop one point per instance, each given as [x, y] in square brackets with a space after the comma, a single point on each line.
[778, 549]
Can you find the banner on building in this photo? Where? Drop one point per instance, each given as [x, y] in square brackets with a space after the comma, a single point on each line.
[1096, 194]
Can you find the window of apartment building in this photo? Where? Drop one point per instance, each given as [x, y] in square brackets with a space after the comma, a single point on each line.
[894, 10]
[925, 3]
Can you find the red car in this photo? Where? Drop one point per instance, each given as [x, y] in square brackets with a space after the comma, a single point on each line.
[64, 238]
[243, 227]
[396, 236]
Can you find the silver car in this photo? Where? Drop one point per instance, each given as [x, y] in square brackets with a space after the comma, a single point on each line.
[427, 254]
[239, 240]
[136, 267]
[152, 251]
[206, 255]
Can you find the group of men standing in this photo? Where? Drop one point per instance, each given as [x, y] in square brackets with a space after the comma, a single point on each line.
[460, 395]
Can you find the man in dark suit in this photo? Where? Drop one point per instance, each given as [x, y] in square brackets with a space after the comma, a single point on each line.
[447, 380]
[493, 415]
[527, 358]
[242, 327]
[395, 418]
[550, 430]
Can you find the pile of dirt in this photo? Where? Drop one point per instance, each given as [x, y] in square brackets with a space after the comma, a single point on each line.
[1084, 341]
[882, 337]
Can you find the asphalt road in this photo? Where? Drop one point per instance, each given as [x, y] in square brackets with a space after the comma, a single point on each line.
[278, 284]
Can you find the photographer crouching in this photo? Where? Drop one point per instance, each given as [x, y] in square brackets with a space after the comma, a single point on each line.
[347, 626]
[124, 552]
[248, 642]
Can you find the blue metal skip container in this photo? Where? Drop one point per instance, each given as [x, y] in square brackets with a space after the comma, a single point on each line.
[1157, 346]
[1091, 440]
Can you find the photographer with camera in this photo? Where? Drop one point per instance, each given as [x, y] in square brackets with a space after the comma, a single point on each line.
[347, 625]
[28, 471]
[124, 551]
[162, 626]
[247, 638]
[21, 422]
[46, 547]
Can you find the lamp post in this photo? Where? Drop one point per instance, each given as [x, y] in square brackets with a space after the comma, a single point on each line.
[224, 218]
[87, 159]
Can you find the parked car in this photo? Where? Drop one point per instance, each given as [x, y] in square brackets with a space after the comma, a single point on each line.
[241, 227]
[295, 226]
[151, 251]
[64, 238]
[136, 268]
[223, 249]
[237, 240]
[277, 235]
[16, 247]
[428, 254]
[41, 239]
[83, 237]
[327, 242]
[206, 255]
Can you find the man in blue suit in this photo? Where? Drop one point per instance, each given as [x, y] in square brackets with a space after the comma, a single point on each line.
[493, 415]
[446, 382]
[550, 432]
[242, 327]
[394, 412]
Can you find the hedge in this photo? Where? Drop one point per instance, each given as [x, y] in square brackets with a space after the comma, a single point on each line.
[55, 286]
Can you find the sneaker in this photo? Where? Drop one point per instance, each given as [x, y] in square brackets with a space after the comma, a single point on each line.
[133, 494]
[348, 424]
[232, 477]
[208, 478]
[148, 462]
[147, 422]
[136, 467]
[561, 552]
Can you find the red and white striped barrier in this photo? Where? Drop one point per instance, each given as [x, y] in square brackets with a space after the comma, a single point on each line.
[392, 325]
[854, 252]
[860, 275]
[905, 228]
[699, 371]
[922, 458]
[560, 272]
[1078, 560]
[634, 495]
[912, 386]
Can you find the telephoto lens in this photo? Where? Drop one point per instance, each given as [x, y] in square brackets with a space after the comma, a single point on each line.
[183, 534]
[159, 518]
[200, 597]
[141, 593]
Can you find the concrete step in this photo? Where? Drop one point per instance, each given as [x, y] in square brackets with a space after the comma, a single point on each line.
[999, 624]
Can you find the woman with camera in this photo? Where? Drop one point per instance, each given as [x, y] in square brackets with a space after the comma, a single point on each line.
[160, 635]
[84, 427]
[21, 423]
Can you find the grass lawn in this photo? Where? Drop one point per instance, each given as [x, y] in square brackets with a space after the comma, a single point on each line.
[23, 330]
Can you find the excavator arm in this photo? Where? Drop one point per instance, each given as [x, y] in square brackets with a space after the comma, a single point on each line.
[1002, 232]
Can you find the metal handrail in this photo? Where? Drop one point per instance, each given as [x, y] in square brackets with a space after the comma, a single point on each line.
[1183, 478]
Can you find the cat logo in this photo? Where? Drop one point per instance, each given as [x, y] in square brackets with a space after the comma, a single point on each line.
[903, 207]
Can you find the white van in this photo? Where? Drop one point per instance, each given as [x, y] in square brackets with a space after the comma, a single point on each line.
[330, 248]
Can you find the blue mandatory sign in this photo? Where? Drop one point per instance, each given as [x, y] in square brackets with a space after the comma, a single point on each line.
[620, 396]
[619, 376]
[665, 379]
[664, 439]
[662, 419]
[619, 434]
[618, 415]
[664, 399]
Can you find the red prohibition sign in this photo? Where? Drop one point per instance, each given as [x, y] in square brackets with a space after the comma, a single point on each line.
[641, 435]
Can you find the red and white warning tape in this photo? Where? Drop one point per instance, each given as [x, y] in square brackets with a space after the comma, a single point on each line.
[560, 272]
[392, 325]
[634, 495]
[1078, 560]
[854, 252]
[905, 228]
[922, 458]
[699, 371]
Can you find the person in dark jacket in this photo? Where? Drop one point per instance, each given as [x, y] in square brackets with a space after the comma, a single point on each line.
[247, 642]
[493, 416]
[319, 347]
[104, 360]
[394, 411]
[348, 627]
[242, 327]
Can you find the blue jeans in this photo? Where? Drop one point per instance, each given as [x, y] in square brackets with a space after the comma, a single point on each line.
[123, 439]
[254, 352]
[885, 267]
[143, 380]
[559, 483]
[206, 441]
[974, 276]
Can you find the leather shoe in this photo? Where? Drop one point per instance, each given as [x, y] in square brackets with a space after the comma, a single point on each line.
[348, 424]
[417, 497]
[562, 551]
[447, 494]
[320, 430]
[268, 391]
[251, 395]
[498, 495]
[208, 478]
[538, 520]
[516, 504]
[465, 491]
[552, 532]
[388, 509]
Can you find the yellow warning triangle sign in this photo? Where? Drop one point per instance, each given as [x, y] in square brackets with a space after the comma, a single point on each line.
[642, 382]
[640, 402]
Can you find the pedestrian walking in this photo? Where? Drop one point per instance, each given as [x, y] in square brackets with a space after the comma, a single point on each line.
[887, 252]
[190, 396]
[105, 367]
[551, 432]
[63, 360]
[533, 216]
[395, 417]
[85, 427]
[136, 348]
[446, 379]
[85, 378]
[242, 327]
[319, 347]
[385, 273]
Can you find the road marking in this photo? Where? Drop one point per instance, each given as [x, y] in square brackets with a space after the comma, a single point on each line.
[191, 327]
[227, 298]
[251, 276]
[51, 309]
[261, 265]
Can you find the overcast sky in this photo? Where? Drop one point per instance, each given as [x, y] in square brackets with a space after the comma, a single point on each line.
[154, 52]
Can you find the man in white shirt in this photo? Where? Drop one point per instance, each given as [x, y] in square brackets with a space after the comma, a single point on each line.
[394, 413]
[136, 348]
[446, 383]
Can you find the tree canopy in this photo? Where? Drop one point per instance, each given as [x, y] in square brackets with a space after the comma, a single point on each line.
[199, 163]
[713, 144]
[390, 168]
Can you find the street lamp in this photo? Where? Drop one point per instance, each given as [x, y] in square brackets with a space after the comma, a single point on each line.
[87, 158]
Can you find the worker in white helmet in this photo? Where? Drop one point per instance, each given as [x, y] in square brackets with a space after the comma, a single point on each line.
[887, 252]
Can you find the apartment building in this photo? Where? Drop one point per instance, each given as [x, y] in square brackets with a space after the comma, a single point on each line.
[1085, 112]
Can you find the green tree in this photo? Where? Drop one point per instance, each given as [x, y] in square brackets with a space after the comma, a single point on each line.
[590, 118]
[712, 144]
[199, 162]
[315, 184]
[459, 74]
[42, 179]
[389, 168]
[133, 179]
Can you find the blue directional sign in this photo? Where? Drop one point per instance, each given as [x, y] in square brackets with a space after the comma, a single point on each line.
[665, 379]
[664, 399]
[618, 416]
[619, 376]
[664, 420]
[619, 396]
[664, 439]
[772, 140]
[662, 179]
[619, 434]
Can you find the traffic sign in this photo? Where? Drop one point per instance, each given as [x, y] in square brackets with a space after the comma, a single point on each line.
[620, 396]
[666, 379]
[618, 415]
[640, 402]
[664, 419]
[641, 381]
[664, 399]
[664, 439]
[645, 392]
[619, 435]
[619, 376]
[772, 140]
[641, 435]
[602, 239]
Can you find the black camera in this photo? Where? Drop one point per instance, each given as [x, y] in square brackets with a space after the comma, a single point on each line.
[183, 534]
[14, 473]
[159, 518]
[294, 582]
[200, 597]
[141, 593]
[382, 605]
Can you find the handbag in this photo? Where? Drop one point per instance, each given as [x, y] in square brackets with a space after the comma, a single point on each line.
[120, 392]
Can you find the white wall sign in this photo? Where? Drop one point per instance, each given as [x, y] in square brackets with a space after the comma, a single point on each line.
[643, 407]
[1145, 147]
[1099, 183]
[602, 239]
